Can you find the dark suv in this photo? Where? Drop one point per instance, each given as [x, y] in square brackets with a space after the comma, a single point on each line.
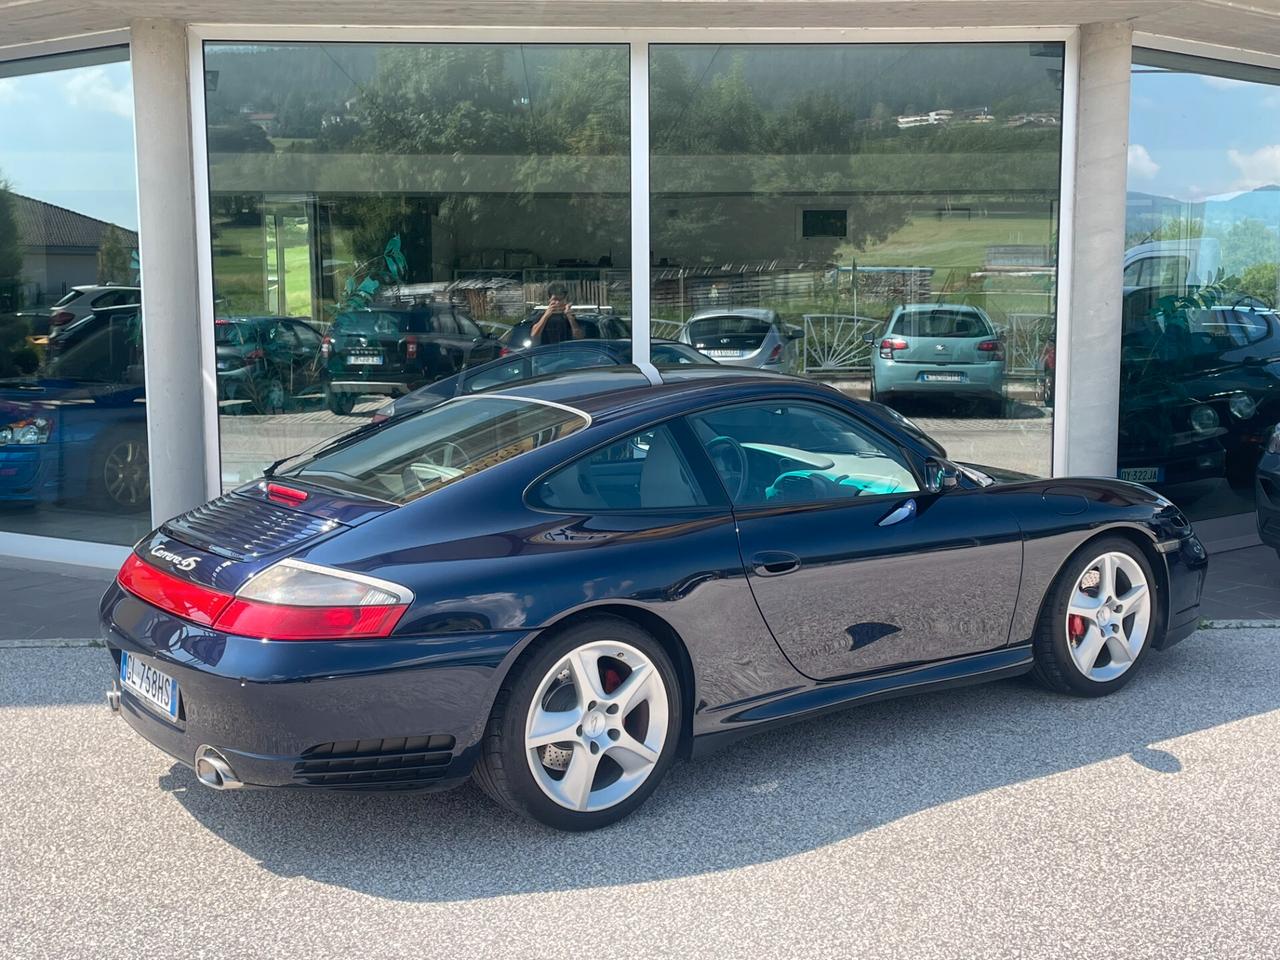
[392, 350]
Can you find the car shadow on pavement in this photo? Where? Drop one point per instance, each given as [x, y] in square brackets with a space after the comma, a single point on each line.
[766, 798]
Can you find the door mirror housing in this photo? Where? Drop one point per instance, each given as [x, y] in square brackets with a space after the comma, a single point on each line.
[868, 338]
[940, 475]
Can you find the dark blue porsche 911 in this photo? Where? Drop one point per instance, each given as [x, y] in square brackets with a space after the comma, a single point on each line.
[559, 587]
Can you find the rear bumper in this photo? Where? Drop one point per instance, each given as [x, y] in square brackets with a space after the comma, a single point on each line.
[363, 714]
[899, 379]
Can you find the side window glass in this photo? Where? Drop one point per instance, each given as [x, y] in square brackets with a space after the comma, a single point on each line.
[309, 339]
[643, 472]
[468, 328]
[799, 453]
[494, 376]
[556, 360]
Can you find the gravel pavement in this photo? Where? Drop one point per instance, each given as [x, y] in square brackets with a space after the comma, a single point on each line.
[994, 821]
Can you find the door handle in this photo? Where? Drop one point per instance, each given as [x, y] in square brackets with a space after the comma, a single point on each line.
[903, 511]
[774, 563]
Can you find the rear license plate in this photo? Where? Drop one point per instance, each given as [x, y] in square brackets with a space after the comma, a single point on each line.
[366, 360]
[943, 377]
[1142, 474]
[157, 690]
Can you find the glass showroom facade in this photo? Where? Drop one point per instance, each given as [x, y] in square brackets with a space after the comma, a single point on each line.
[382, 218]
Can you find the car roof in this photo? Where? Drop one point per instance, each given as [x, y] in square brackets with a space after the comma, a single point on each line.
[605, 391]
[938, 307]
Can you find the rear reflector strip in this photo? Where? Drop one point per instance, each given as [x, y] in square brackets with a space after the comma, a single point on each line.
[182, 598]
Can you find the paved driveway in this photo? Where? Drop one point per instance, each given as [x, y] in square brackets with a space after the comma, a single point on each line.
[991, 821]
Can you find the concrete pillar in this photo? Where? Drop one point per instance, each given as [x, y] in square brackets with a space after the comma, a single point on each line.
[176, 421]
[1088, 384]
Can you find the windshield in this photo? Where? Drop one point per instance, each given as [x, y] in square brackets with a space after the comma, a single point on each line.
[728, 326]
[942, 323]
[429, 450]
[380, 323]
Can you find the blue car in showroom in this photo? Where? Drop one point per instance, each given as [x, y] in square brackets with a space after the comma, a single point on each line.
[559, 587]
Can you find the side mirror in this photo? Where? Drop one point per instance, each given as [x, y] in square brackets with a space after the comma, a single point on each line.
[940, 475]
[869, 338]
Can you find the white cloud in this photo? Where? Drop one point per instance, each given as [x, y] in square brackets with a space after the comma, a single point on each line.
[1260, 168]
[10, 92]
[1140, 163]
[1225, 83]
[93, 89]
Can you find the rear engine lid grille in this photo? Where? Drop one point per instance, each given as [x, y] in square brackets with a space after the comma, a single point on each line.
[397, 762]
[244, 528]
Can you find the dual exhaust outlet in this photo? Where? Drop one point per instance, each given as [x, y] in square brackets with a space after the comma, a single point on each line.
[212, 768]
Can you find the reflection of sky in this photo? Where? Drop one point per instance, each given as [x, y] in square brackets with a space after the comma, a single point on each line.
[1192, 137]
[66, 137]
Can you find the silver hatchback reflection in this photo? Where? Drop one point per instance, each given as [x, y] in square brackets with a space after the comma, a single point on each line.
[745, 337]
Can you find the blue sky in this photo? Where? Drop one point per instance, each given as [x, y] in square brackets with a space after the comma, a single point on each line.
[1193, 137]
[66, 137]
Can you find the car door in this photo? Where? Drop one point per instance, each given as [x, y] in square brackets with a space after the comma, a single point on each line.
[854, 566]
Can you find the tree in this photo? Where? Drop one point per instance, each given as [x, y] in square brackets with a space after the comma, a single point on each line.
[10, 252]
[114, 260]
[1248, 242]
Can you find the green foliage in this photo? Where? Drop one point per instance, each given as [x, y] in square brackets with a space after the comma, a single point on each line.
[386, 269]
[1261, 280]
[114, 261]
[10, 251]
[1247, 243]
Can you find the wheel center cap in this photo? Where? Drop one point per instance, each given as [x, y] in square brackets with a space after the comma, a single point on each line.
[594, 725]
[1104, 615]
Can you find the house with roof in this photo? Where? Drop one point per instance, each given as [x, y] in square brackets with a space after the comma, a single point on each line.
[60, 249]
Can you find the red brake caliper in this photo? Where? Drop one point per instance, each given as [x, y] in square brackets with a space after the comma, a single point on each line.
[612, 679]
[1076, 626]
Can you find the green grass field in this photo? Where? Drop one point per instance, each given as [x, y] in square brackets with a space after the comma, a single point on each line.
[950, 242]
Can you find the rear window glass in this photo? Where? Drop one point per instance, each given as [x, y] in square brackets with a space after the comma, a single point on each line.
[377, 323]
[942, 323]
[728, 326]
[71, 297]
[429, 450]
[227, 332]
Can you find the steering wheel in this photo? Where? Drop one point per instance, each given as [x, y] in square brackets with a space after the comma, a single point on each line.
[448, 454]
[731, 462]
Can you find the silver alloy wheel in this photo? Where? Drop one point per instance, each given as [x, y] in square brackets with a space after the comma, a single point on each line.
[597, 725]
[1108, 616]
[126, 473]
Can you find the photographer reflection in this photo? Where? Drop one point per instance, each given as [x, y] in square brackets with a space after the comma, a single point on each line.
[557, 323]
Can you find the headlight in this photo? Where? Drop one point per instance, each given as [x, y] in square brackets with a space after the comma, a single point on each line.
[1242, 406]
[1203, 419]
[25, 432]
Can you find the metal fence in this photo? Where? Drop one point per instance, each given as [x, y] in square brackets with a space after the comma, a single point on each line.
[834, 343]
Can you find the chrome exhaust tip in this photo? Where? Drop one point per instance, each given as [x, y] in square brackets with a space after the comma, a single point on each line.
[213, 770]
[113, 697]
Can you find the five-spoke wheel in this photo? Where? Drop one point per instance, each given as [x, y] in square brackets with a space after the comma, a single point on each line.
[584, 729]
[1098, 621]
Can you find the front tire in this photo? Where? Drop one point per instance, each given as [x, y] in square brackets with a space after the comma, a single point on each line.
[1099, 620]
[584, 730]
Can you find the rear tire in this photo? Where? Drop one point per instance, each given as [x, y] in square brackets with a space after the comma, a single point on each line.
[589, 776]
[1108, 626]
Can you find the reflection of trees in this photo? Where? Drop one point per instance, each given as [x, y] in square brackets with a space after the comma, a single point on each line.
[114, 264]
[10, 251]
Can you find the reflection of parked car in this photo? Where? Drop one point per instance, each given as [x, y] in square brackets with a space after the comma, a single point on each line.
[595, 326]
[392, 351]
[264, 362]
[745, 337]
[562, 586]
[1049, 368]
[78, 430]
[1207, 347]
[1267, 491]
[80, 303]
[539, 362]
[940, 350]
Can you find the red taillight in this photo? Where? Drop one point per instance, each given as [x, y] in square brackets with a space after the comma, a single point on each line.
[326, 346]
[254, 355]
[61, 318]
[775, 354]
[327, 604]
[250, 618]
[993, 347]
[410, 347]
[379, 417]
[887, 346]
[504, 352]
[182, 598]
[282, 494]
